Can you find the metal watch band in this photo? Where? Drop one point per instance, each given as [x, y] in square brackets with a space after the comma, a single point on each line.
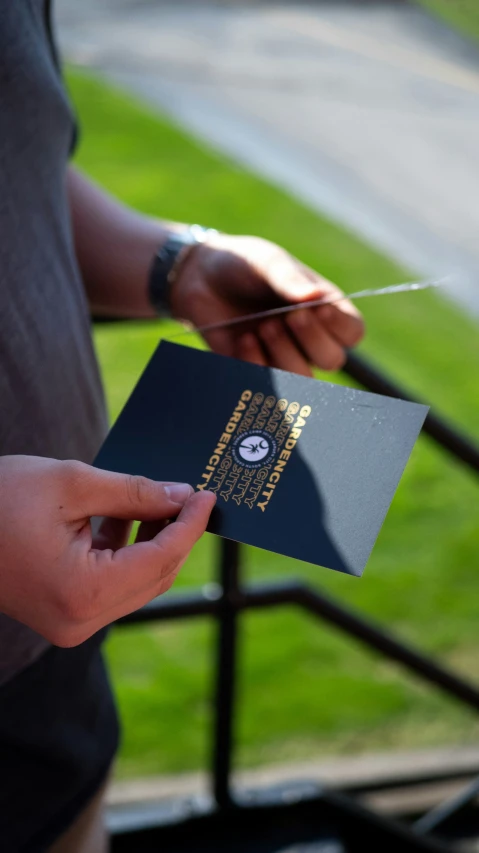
[167, 262]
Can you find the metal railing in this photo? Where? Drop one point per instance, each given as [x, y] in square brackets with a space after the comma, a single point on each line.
[226, 600]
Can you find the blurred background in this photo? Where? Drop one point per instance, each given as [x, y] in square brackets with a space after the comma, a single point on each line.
[348, 133]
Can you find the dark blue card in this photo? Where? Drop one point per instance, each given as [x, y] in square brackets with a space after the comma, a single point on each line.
[300, 467]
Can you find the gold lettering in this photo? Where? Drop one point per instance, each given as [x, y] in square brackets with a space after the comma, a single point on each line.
[218, 479]
[231, 481]
[278, 416]
[206, 478]
[243, 486]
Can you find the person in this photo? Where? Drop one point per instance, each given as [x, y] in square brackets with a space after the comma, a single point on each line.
[68, 250]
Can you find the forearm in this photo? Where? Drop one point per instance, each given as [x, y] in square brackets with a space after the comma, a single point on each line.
[115, 247]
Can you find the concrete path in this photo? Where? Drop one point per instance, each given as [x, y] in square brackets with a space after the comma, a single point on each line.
[367, 112]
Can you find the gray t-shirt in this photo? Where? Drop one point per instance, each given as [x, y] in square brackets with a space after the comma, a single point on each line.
[50, 390]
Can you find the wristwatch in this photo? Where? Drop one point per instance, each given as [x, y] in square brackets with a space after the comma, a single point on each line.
[167, 263]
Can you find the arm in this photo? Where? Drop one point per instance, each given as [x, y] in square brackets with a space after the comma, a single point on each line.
[225, 277]
[115, 247]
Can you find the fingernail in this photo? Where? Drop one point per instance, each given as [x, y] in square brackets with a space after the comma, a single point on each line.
[178, 492]
[307, 291]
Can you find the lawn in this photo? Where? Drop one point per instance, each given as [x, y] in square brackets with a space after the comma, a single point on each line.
[462, 14]
[304, 690]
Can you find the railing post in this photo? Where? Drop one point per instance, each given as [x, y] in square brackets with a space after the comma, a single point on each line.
[225, 671]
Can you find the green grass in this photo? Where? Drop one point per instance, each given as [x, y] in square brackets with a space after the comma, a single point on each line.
[462, 14]
[305, 690]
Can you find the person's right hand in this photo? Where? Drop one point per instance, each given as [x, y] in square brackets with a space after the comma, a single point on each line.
[66, 584]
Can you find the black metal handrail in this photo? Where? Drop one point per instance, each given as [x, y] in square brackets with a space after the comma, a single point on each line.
[263, 595]
[226, 600]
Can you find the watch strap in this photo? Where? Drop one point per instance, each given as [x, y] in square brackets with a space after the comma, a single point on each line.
[167, 262]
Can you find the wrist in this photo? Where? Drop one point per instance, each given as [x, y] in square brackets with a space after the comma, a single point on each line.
[169, 262]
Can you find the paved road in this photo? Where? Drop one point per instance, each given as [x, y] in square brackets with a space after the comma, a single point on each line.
[369, 113]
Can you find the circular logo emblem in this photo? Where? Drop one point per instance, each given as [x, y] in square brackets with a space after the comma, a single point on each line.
[253, 448]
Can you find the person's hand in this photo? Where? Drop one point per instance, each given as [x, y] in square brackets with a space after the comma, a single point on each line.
[57, 579]
[229, 276]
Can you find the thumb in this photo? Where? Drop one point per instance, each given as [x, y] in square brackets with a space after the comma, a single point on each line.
[131, 576]
[128, 496]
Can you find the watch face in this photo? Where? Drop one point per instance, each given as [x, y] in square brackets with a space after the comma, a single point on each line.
[188, 237]
[300, 467]
[177, 242]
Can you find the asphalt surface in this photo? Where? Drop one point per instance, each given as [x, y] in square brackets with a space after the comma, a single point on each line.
[368, 112]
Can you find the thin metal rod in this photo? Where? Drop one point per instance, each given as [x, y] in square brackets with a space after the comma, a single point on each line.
[225, 687]
[405, 287]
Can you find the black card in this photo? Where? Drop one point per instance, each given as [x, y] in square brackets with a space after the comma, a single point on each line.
[300, 467]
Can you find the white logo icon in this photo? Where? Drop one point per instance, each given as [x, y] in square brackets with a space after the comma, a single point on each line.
[254, 448]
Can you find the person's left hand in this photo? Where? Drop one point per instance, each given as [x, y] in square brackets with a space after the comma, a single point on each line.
[230, 276]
